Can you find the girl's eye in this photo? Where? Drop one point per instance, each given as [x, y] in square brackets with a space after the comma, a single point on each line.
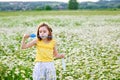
[44, 31]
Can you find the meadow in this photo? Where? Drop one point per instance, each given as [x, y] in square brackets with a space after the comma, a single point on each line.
[90, 41]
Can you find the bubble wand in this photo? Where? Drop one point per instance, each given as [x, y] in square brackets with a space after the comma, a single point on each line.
[32, 35]
[63, 64]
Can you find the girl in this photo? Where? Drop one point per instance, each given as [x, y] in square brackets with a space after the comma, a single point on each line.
[46, 51]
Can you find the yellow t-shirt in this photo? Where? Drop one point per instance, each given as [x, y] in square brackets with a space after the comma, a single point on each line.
[44, 51]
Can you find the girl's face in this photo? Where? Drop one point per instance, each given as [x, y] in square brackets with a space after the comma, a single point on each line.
[43, 32]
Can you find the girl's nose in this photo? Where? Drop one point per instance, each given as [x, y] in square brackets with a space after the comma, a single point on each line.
[42, 34]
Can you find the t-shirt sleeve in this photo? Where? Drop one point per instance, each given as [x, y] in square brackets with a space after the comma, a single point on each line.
[54, 43]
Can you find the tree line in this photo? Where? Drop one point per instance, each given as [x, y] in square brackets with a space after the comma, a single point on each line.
[46, 5]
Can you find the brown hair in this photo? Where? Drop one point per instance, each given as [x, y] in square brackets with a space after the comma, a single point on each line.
[48, 28]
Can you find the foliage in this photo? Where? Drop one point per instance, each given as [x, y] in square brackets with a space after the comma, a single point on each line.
[102, 4]
[26, 6]
[47, 7]
[73, 5]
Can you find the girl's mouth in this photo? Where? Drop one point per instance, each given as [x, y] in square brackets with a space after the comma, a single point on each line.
[44, 37]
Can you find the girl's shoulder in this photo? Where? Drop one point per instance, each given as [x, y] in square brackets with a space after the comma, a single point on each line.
[37, 40]
[53, 41]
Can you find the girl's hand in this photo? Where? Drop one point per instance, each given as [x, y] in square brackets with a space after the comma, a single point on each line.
[62, 55]
[26, 36]
[59, 56]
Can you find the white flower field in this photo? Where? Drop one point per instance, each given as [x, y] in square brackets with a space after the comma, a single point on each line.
[90, 41]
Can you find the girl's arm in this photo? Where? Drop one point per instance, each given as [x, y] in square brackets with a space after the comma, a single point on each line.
[29, 44]
[56, 55]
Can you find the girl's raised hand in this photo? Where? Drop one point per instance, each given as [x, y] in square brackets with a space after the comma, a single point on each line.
[26, 36]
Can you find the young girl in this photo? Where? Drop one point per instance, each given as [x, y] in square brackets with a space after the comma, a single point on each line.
[46, 51]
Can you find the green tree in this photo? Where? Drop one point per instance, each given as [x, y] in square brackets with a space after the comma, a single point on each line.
[47, 7]
[73, 4]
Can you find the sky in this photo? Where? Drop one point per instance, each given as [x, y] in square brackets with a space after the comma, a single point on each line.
[50, 0]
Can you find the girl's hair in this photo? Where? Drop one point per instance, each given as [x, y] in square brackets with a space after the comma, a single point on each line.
[48, 28]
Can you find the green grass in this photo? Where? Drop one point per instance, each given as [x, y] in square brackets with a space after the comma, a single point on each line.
[66, 12]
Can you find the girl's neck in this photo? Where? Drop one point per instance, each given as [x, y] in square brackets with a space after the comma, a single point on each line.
[45, 40]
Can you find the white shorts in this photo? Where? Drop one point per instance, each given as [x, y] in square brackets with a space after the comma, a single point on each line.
[44, 71]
